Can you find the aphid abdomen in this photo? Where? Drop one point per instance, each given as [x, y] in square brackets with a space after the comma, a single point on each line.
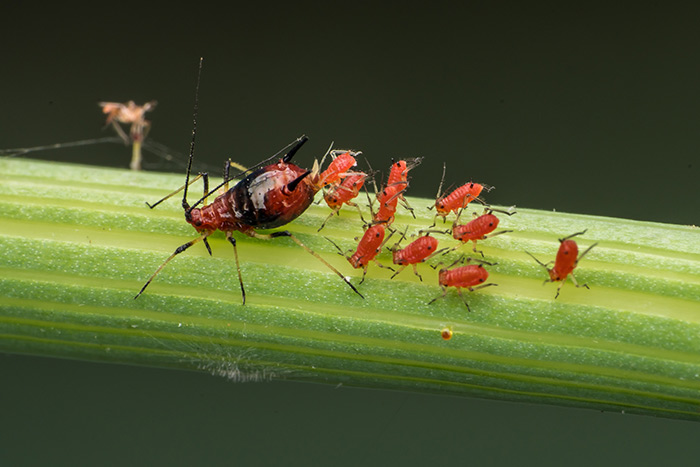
[565, 261]
[263, 200]
[416, 251]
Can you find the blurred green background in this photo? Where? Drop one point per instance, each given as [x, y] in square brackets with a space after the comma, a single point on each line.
[571, 107]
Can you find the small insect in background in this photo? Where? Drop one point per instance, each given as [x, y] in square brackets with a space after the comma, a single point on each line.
[127, 113]
[470, 277]
[446, 333]
[134, 114]
[566, 261]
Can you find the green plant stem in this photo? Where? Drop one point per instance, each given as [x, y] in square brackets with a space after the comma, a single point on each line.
[78, 242]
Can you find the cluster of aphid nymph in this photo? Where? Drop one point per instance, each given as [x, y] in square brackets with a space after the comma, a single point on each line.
[276, 191]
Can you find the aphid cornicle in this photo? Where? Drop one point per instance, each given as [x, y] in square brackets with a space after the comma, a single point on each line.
[268, 197]
[566, 261]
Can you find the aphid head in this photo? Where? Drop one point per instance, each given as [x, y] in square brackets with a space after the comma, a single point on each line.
[194, 217]
[553, 275]
[440, 208]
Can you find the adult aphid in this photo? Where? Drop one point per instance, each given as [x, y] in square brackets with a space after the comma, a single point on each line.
[269, 196]
[566, 261]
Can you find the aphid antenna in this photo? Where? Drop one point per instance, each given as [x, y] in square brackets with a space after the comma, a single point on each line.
[442, 180]
[340, 250]
[429, 231]
[413, 162]
[585, 252]
[185, 205]
[372, 174]
[330, 148]
[573, 235]
[395, 246]
[541, 263]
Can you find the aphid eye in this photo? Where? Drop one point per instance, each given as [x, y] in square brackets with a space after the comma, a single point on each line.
[490, 224]
[430, 247]
[481, 280]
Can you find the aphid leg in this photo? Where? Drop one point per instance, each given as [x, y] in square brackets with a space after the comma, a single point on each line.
[415, 271]
[444, 292]
[335, 211]
[454, 263]
[286, 233]
[461, 295]
[478, 251]
[178, 250]
[384, 266]
[573, 279]
[407, 206]
[472, 289]
[227, 172]
[561, 284]
[229, 237]
[540, 263]
[356, 206]
[399, 270]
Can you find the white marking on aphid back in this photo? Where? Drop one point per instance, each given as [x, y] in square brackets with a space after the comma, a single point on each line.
[260, 186]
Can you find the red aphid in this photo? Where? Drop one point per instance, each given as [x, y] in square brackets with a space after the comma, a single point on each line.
[388, 200]
[478, 228]
[339, 194]
[398, 175]
[368, 248]
[348, 189]
[338, 168]
[418, 251]
[566, 261]
[470, 277]
[457, 199]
